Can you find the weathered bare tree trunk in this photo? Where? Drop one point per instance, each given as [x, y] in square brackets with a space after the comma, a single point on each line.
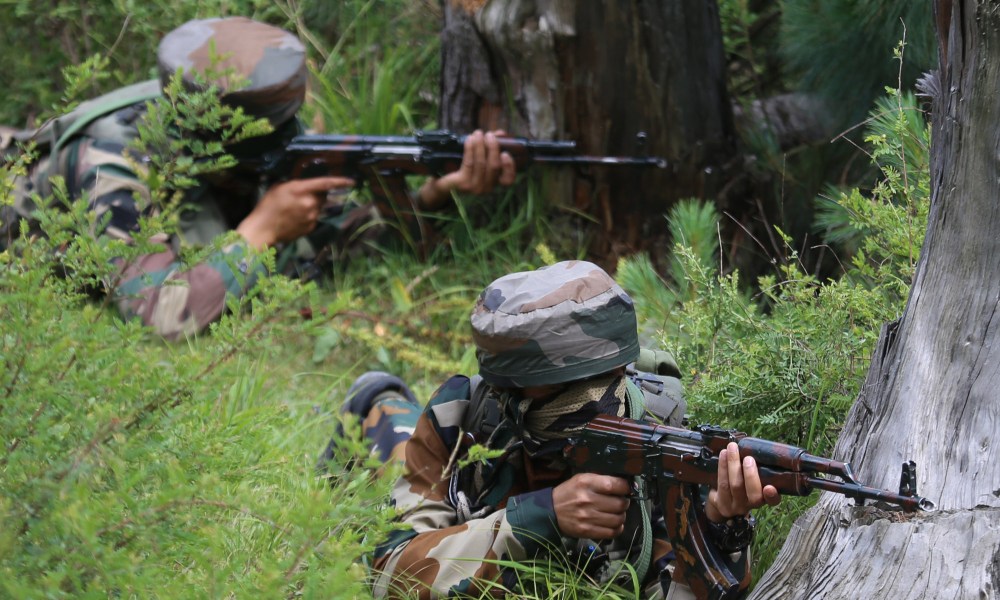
[931, 394]
[599, 72]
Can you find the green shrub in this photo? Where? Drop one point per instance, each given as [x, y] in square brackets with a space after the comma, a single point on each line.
[786, 363]
[145, 470]
[139, 469]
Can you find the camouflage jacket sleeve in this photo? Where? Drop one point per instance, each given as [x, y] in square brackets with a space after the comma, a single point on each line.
[441, 553]
[174, 298]
[178, 299]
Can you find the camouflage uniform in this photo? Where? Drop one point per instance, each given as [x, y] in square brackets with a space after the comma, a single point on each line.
[179, 299]
[567, 324]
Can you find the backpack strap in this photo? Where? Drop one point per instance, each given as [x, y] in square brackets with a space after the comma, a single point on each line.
[661, 396]
[55, 135]
[636, 409]
[483, 414]
[63, 129]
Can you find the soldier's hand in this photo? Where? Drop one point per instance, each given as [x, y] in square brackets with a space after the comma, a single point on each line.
[484, 166]
[288, 210]
[738, 488]
[591, 506]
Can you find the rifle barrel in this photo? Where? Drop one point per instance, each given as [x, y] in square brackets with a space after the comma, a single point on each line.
[639, 161]
[863, 492]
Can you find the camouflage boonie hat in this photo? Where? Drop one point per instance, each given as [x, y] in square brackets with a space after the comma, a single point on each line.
[268, 60]
[560, 323]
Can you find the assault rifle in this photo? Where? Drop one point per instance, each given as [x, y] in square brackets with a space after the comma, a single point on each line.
[675, 462]
[365, 157]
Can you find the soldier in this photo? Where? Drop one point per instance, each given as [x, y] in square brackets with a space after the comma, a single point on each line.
[553, 346]
[88, 150]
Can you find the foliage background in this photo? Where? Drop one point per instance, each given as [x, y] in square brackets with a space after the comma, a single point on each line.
[130, 467]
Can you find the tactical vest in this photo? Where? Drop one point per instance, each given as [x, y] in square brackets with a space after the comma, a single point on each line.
[656, 396]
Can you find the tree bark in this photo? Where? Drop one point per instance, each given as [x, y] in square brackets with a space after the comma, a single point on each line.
[931, 391]
[600, 72]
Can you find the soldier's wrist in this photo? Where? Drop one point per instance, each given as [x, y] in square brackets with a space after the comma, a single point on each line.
[256, 236]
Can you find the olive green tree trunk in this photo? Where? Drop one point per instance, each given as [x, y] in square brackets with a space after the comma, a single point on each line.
[600, 72]
[931, 393]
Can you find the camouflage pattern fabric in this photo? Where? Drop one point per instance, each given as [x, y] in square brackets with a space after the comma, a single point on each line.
[257, 66]
[445, 553]
[387, 411]
[390, 425]
[174, 298]
[87, 150]
[560, 323]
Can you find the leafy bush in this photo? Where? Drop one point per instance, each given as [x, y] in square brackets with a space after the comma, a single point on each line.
[134, 468]
[787, 363]
[141, 469]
